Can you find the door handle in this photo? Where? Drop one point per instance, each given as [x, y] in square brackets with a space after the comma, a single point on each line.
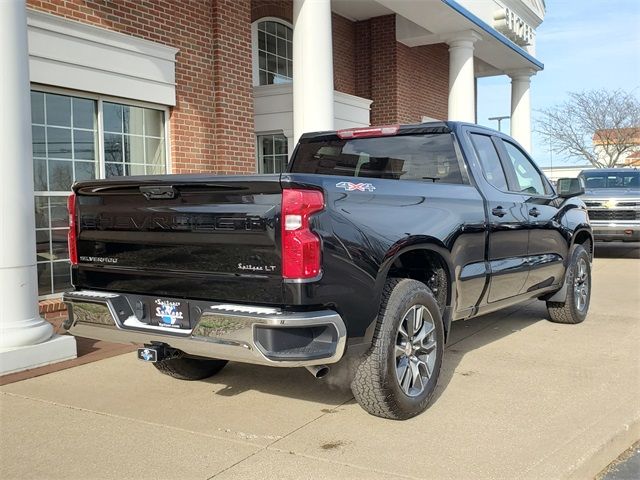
[498, 212]
[534, 212]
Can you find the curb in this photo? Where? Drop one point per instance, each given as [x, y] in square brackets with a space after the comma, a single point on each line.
[600, 456]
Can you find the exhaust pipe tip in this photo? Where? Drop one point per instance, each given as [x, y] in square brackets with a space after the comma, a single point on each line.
[318, 371]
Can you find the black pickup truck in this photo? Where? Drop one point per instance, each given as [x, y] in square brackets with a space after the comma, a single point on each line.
[369, 246]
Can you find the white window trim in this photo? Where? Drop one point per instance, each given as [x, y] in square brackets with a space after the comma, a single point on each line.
[254, 46]
[99, 99]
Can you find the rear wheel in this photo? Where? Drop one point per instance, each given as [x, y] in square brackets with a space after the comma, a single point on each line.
[188, 368]
[398, 375]
[576, 306]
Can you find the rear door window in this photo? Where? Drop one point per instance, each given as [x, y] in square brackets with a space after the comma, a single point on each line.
[490, 161]
[428, 157]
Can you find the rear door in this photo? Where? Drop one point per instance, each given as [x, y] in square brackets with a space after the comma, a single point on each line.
[182, 236]
[508, 221]
[547, 245]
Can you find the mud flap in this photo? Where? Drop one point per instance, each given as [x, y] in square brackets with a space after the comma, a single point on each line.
[560, 296]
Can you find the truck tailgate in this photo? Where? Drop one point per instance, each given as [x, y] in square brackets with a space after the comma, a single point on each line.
[182, 236]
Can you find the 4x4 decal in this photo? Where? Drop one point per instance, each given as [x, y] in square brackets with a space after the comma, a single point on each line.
[350, 187]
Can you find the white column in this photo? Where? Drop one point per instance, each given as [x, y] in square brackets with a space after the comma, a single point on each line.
[25, 338]
[290, 143]
[462, 104]
[521, 106]
[312, 67]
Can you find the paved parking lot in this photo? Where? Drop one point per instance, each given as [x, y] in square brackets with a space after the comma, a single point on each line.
[519, 397]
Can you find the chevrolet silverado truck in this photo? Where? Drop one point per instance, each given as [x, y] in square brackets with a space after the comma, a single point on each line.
[612, 197]
[368, 247]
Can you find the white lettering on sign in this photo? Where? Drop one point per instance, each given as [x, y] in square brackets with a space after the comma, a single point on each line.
[513, 27]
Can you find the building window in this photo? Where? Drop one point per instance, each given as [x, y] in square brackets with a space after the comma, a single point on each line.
[273, 47]
[66, 139]
[133, 140]
[272, 153]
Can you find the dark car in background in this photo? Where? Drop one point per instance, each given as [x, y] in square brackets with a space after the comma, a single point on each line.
[612, 197]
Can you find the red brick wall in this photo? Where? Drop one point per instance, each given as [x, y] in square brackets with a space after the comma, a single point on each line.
[363, 59]
[404, 83]
[384, 67]
[272, 8]
[197, 143]
[344, 54]
[55, 312]
[423, 82]
[52, 309]
[233, 87]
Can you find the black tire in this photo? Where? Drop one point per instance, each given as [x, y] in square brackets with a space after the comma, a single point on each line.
[187, 368]
[377, 383]
[574, 309]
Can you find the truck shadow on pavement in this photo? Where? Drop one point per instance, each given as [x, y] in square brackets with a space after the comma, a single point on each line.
[469, 335]
[334, 389]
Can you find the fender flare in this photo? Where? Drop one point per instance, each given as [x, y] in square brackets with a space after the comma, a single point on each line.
[417, 243]
[578, 230]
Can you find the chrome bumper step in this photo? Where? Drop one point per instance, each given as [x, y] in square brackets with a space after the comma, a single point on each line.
[243, 333]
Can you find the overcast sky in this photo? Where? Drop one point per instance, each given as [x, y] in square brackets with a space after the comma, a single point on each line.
[584, 45]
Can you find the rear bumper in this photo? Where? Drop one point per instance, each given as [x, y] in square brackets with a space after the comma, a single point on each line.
[609, 231]
[241, 333]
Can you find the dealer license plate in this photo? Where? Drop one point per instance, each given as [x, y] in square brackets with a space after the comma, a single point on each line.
[169, 313]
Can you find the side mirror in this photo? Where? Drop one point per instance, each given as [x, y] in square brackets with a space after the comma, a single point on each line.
[570, 187]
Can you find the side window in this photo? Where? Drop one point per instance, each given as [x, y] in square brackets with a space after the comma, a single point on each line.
[489, 160]
[528, 178]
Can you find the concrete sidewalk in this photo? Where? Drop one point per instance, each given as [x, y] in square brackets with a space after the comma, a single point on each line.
[519, 397]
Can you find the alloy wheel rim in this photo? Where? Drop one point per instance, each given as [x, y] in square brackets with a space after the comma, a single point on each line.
[581, 285]
[415, 350]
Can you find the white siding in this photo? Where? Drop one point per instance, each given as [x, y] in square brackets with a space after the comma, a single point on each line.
[69, 54]
[273, 107]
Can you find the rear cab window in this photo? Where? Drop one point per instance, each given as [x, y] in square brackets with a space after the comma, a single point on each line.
[418, 157]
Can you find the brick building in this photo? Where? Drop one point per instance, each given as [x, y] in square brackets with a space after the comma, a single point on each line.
[126, 87]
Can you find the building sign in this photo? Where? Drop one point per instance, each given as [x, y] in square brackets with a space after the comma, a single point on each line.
[513, 27]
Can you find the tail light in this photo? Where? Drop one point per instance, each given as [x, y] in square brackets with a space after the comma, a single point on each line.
[73, 230]
[300, 246]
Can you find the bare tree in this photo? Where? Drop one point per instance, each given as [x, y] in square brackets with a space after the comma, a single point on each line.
[598, 125]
